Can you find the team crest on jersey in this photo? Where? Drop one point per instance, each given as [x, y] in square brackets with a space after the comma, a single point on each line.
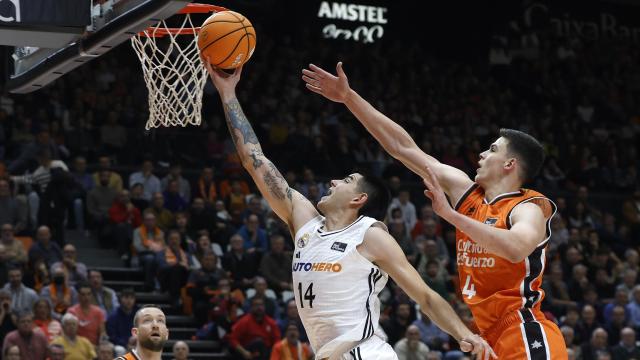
[304, 240]
[338, 246]
[491, 221]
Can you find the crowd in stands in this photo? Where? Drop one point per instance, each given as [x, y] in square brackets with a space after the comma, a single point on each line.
[177, 203]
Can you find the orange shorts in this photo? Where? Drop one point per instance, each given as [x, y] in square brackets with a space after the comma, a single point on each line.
[526, 334]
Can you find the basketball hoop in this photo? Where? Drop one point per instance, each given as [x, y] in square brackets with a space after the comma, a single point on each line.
[172, 69]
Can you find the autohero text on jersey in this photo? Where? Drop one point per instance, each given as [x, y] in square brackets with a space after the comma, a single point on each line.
[316, 266]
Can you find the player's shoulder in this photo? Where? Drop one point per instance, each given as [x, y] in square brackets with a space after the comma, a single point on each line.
[127, 356]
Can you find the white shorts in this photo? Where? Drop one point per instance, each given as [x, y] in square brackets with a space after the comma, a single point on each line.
[372, 349]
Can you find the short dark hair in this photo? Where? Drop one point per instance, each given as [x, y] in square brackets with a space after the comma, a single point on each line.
[83, 284]
[137, 315]
[527, 150]
[127, 292]
[378, 196]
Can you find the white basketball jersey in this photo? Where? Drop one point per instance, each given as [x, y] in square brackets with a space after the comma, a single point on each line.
[336, 288]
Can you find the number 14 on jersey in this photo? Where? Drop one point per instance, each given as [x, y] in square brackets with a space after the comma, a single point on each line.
[308, 295]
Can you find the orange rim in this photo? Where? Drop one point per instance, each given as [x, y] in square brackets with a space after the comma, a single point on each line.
[191, 8]
[195, 8]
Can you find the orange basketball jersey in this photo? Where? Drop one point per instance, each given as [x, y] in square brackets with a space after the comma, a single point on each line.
[491, 285]
[128, 356]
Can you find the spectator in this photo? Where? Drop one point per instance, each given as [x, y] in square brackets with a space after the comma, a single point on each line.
[276, 265]
[173, 266]
[148, 239]
[429, 252]
[22, 297]
[113, 179]
[50, 327]
[569, 340]
[74, 271]
[137, 193]
[628, 347]
[14, 250]
[99, 202]
[44, 249]
[255, 237]
[60, 295]
[621, 299]
[430, 232]
[106, 351]
[82, 185]
[291, 347]
[410, 347]
[557, 296]
[597, 345]
[202, 246]
[149, 181]
[173, 200]
[124, 217]
[91, 319]
[290, 315]
[254, 207]
[7, 322]
[113, 136]
[56, 352]
[182, 226]
[202, 284]
[164, 217]
[120, 322]
[398, 230]
[76, 347]
[617, 323]
[200, 216]
[235, 200]
[103, 296]
[403, 202]
[32, 343]
[12, 353]
[241, 264]
[261, 290]
[253, 336]
[13, 210]
[207, 187]
[180, 351]
[431, 335]
[5, 265]
[396, 326]
[184, 188]
[226, 305]
[48, 173]
[633, 308]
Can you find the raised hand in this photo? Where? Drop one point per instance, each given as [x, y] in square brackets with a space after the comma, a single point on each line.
[334, 88]
[478, 347]
[224, 82]
[434, 192]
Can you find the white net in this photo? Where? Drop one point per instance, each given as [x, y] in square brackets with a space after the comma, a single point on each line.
[173, 72]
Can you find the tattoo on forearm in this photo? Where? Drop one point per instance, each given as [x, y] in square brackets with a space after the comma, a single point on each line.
[237, 120]
[275, 182]
[256, 155]
[289, 193]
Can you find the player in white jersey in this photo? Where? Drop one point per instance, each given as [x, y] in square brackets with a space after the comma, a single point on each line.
[343, 256]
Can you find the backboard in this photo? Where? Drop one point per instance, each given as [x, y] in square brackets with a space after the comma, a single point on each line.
[46, 51]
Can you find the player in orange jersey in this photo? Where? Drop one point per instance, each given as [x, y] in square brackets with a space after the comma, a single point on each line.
[150, 329]
[502, 229]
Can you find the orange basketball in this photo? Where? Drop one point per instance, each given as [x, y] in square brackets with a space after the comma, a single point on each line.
[228, 39]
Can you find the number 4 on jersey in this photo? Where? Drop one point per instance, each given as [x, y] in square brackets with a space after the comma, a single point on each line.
[469, 289]
[308, 295]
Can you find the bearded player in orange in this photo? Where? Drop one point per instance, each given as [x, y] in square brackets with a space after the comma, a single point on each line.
[502, 229]
[150, 330]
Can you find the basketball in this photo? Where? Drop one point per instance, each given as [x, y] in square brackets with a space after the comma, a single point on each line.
[227, 39]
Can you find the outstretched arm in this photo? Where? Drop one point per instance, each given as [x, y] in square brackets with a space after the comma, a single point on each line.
[282, 198]
[391, 136]
[379, 247]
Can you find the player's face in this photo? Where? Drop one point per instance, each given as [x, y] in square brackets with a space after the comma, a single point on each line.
[151, 330]
[340, 193]
[492, 162]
